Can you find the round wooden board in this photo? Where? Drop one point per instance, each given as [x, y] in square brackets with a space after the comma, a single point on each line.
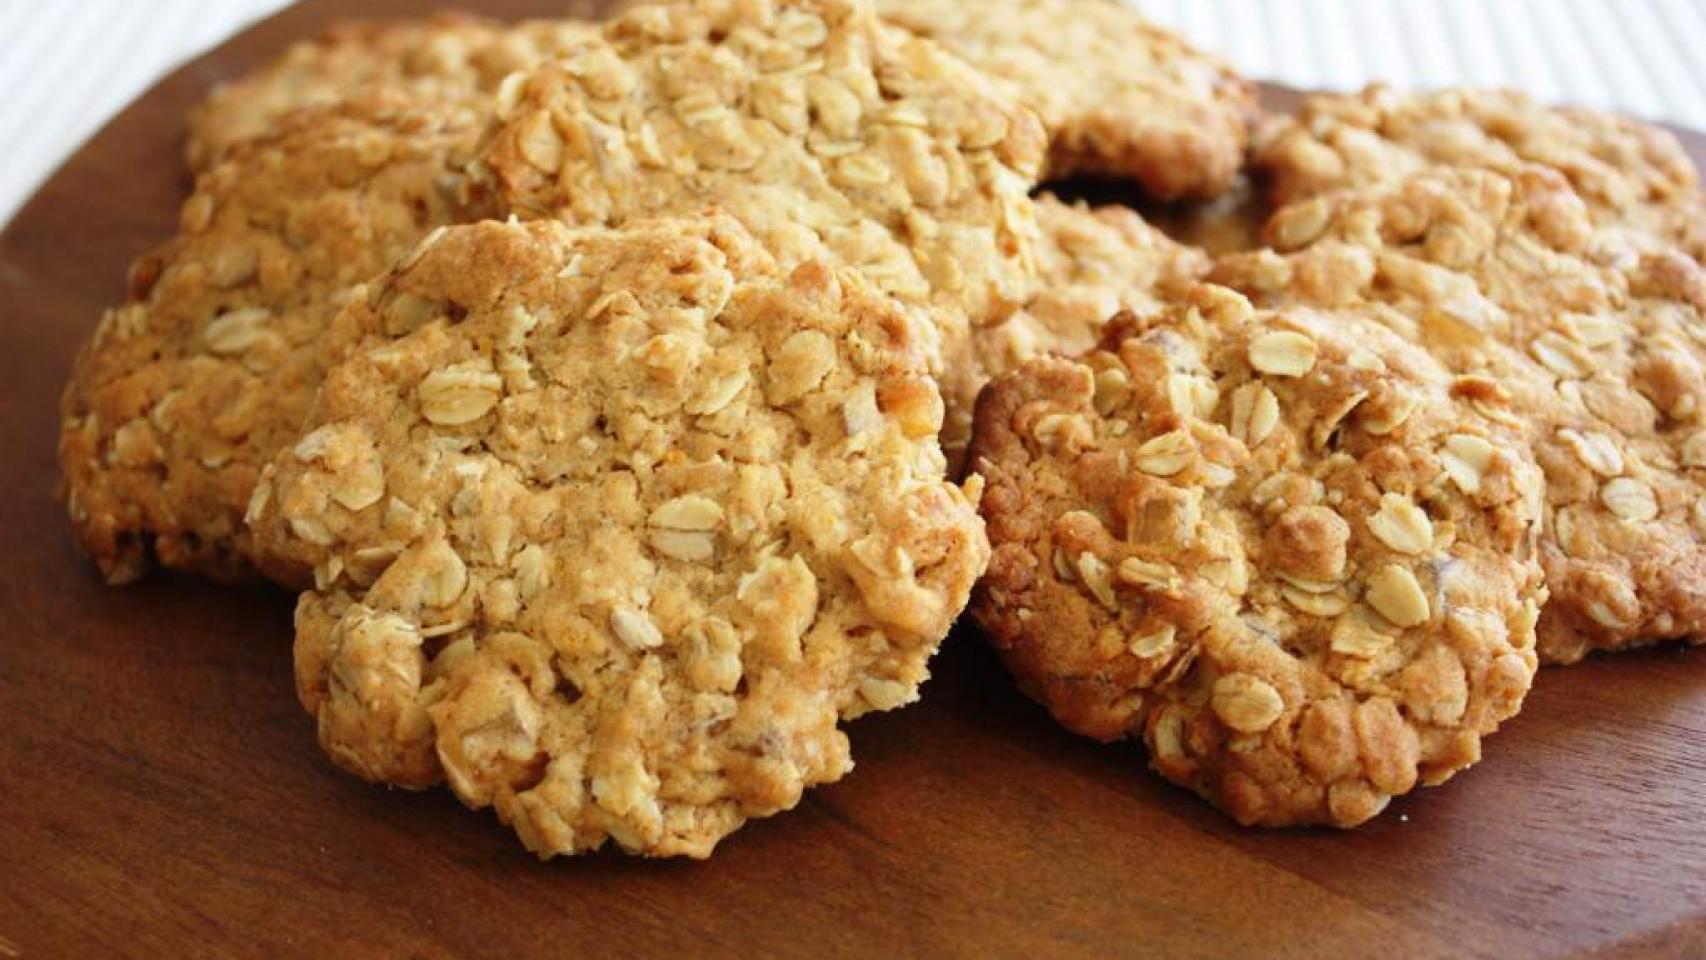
[163, 794]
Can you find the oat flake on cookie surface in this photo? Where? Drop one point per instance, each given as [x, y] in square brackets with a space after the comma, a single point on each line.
[614, 526]
[827, 133]
[1271, 545]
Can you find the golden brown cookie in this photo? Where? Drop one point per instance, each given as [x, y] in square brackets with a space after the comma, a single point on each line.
[614, 526]
[1272, 544]
[1119, 95]
[1625, 170]
[828, 134]
[187, 390]
[1091, 263]
[446, 58]
[1583, 330]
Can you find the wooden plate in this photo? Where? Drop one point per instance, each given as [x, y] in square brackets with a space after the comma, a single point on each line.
[162, 793]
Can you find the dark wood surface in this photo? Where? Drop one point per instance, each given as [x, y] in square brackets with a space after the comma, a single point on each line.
[163, 796]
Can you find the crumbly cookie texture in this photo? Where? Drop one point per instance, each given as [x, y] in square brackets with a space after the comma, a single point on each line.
[447, 58]
[186, 391]
[1272, 544]
[1091, 264]
[1584, 332]
[828, 134]
[1624, 169]
[1119, 95]
[617, 529]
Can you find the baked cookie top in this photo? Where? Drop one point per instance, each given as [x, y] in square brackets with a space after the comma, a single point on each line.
[1119, 95]
[1270, 543]
[1585, 333]
[1091, 263]
[191, 386]
[828, 134]
[1623, 168]
[617, 529]
[448, 58]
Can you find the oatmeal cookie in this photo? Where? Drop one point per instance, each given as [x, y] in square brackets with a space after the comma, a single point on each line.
[1092, 263]
[187, 390]
[1586, 333]
[1119, 95]
[617, 528]
[828, 134]
[447, 58]
[1626, 171]
[1271, 544]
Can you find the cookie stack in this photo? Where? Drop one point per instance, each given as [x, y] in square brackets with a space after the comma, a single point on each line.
[633, 402]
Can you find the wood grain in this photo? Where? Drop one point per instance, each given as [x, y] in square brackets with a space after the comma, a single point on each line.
[163, 794]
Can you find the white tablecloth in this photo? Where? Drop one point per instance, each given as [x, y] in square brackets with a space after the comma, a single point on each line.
[68, 65]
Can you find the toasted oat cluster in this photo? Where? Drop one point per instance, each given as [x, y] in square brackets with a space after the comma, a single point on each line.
[1587, 338]
[1119, 96]
[613, 526]
[1091, 264]
[451, 59]
[1269, 543]
[191, 386]
[828, 134]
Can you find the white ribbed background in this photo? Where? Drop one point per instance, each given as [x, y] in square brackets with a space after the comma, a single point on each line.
[68, 65]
